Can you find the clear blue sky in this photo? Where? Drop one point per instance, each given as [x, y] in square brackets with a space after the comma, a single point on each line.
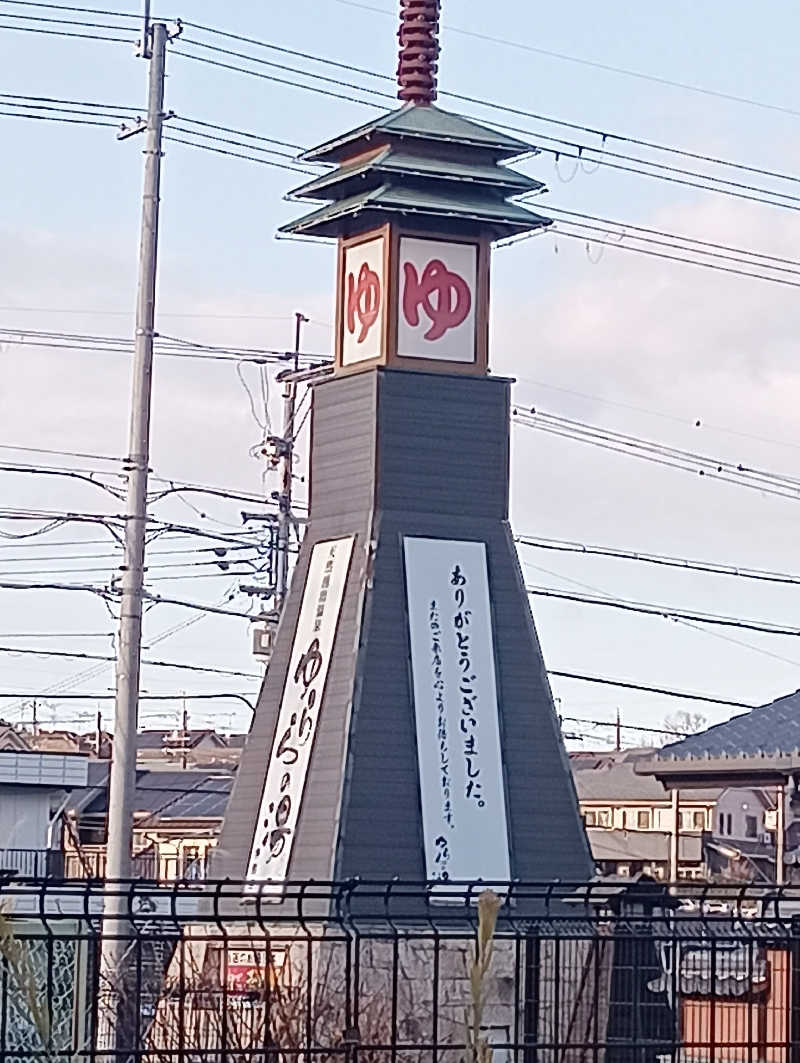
[663, 338]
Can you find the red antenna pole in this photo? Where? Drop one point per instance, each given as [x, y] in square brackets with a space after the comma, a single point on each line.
[419, 51]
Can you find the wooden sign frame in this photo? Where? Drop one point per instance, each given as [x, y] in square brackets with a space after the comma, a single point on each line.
[392, 234]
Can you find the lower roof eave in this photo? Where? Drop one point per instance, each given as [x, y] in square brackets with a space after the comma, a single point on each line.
[746, 770]
[352, 224]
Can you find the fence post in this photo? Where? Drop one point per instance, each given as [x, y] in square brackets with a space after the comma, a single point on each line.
[794, 990]
[531, 989]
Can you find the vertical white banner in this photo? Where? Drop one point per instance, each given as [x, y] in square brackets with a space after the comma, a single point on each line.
[455, 704]
[301, 703]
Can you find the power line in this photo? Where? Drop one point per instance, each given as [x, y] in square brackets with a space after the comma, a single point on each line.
[739, 474]
[281, 81]
[106, 696]
[624, 726]
[57, 118]
[671, 241]
[236, 154]
[60, 101]
[664, 611]
[21, 651]
[50, 20]
[740, 256]
[60, 453]
[108, 594]
[606, 156]
[521, 45]
[220, 552]
[626, 684]
[243, 133]
[56, 634]
[549, 119]
[696, 422]
[175, 486]
[565, 546]
[689, 240]
[162, 314]
[172, 348]
[559, 230]
[77, 10]
[602, 150]
[93, 570]
[237, 143]
[67, 34]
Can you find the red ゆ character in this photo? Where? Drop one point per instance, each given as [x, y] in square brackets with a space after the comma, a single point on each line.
[452, 302]
[363, 301]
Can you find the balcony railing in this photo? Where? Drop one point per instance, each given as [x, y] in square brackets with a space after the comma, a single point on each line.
[90, 863]
[33, 863]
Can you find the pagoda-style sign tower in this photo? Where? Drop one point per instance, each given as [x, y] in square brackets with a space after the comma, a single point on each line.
[406, 727]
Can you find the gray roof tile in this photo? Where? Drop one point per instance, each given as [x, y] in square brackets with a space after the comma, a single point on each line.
[619, 782]
[772, 728]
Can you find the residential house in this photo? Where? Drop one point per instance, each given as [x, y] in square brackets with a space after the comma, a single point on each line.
[179, 748]
[177, 819]
[753, 753]
[34, 789]
[629, 817]
[12, 737]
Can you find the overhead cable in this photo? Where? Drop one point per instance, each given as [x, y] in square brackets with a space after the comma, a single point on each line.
[665, 611]
[763, 480]
[20, 651]
[715, 568]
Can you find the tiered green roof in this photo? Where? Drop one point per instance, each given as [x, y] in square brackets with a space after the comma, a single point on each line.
[424, 166]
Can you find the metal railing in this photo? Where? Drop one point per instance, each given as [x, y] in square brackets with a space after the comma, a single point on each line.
[90, 863]
[33, 863]
[382, 972]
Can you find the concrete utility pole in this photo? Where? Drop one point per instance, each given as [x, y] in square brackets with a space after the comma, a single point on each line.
[122, 781]
[285, 465]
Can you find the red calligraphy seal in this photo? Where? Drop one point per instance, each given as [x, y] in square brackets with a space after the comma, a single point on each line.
[363, 301]
[451, 304]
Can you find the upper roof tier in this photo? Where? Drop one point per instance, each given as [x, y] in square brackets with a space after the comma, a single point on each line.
[433, 168]
[425, 123]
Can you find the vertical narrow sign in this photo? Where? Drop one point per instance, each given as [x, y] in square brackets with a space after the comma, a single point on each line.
[301, 703]
[455, 706]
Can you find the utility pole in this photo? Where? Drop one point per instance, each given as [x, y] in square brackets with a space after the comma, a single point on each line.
[285, 462]
[618, 732]
[119, 864]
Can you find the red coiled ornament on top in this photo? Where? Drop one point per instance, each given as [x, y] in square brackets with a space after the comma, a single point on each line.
[419, 50]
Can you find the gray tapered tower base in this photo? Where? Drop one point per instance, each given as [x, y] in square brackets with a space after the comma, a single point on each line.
[394, 454]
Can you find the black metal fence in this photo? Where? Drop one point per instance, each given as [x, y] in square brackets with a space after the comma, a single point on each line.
[609, 972]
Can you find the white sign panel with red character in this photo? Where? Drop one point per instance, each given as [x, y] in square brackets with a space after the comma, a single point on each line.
[298, 719]
[364, 295]
[437, 305]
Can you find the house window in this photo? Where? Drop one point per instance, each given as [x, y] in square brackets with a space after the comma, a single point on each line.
[693, 820]
[751, 826]
[599, 817]
[643, 819]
